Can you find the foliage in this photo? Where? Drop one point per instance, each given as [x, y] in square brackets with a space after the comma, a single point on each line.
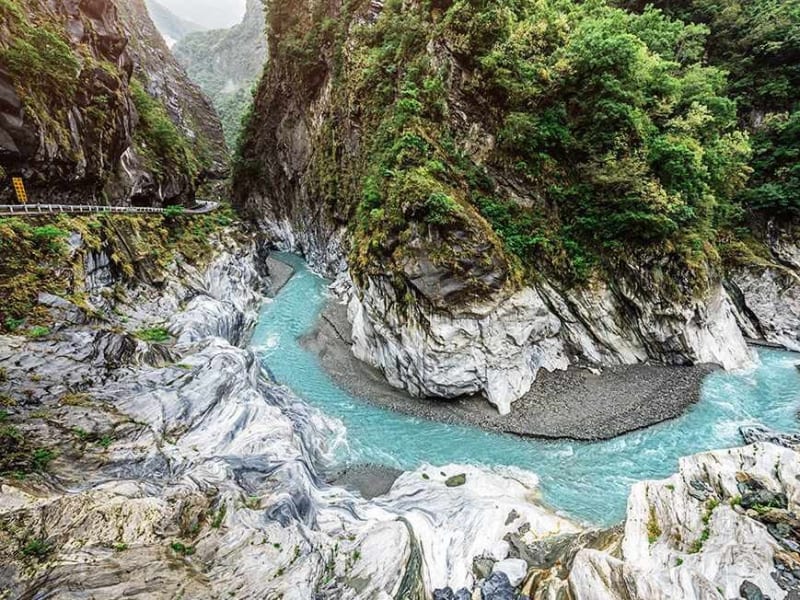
[17, 455]
[182, 549]
[172, 212]
[758, 43]
[621, 137]
[36, 260]
[38, 55]
[37, 548]
[154, 334]
[37, 331]
[158, 138]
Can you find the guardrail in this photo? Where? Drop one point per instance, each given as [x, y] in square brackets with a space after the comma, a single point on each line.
[72, 209]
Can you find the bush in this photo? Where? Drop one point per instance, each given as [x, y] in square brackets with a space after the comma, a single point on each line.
[173, 212]
[37, 548]
[37, 332]
[155, 334]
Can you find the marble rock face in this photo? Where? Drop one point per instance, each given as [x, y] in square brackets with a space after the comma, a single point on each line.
[497, 348]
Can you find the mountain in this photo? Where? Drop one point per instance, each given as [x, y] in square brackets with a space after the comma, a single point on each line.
[227, 64]
[515, 186]
[210, 14]
[94, 108]
[171, 26]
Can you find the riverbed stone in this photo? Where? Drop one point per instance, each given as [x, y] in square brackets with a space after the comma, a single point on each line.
[750, 591]
[482, 567]
[758, 433]
[456, 480]
[498, 587]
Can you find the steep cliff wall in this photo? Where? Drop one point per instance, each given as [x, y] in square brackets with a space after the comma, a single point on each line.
[95, 110]
[508, 187]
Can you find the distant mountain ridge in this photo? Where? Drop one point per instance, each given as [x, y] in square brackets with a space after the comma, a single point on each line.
[172, 27]
[226, 64]
[208, 14]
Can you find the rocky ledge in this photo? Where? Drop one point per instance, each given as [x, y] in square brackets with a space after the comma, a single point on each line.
[578, 404]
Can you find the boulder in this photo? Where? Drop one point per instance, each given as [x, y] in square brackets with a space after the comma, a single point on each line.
[514, 569]
[498, 587]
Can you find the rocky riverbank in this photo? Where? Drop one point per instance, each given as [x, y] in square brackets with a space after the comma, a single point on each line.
[154, 459]
[577, 403]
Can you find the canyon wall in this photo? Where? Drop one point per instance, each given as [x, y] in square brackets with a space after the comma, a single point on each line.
[95, 110]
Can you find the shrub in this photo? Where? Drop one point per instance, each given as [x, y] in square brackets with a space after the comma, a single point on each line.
[154, 335]
[182, 549]
[37, 548]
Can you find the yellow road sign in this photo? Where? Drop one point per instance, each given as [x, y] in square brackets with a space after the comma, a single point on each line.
[19, 188]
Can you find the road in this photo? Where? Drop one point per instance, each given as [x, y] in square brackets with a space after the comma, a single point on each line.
[22, 210]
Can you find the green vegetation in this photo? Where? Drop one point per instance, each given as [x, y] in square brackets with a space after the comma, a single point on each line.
[653, 529]
[172, 212]
[51, 75]
[37, 332]
[18, 456]
[37, 548]
[226, 64]
[36, 258]
[157, 335]
[219, 517]
[698, 544]
[757, 43]
[600, 134]
[158, 139]
[182, 549]
[38, 54]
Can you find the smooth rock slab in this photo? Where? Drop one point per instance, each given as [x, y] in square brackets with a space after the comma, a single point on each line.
[515, 569]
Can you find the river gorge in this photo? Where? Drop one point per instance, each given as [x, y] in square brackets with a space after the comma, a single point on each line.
[588, 481]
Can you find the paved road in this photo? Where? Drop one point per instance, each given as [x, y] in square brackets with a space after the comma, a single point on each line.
[22, 210]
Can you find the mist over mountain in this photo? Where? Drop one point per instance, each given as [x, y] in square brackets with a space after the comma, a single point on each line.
[172, 27]
[226, 64]
[210, 14]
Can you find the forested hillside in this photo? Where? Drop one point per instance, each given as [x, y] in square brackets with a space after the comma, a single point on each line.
[757, 43]
[592, 131]
[94, 108]
[455, 155]
[171, 26]
[227, 63]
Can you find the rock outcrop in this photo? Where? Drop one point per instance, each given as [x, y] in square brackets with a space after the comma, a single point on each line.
[497, 348]
[767, 290]
[93, 108]
[167, 459]
[437, 301]
[724, 527]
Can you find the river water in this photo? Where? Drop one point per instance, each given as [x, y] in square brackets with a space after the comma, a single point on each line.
[587, 481]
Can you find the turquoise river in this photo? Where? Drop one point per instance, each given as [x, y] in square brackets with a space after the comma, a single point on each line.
[588, 481]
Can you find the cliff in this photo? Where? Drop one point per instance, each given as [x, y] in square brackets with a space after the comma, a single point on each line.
[95, 110]
[552, 189]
